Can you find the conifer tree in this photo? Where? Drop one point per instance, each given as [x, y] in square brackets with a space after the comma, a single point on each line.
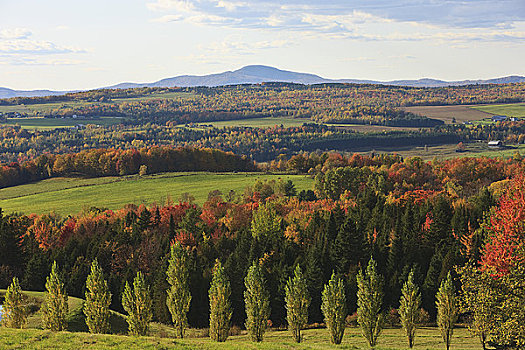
[447, 309]
[409, 305]
[14, 311]
[179, 297]
[55, 307]
[98, 299]
[257, 301]
[334, 308]
[369, 303]
[220, 307]
[297, 301]
[137, 303]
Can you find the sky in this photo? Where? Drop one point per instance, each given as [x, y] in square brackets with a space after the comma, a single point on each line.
[71, 44]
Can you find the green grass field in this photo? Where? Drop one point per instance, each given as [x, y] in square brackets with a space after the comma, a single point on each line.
[261, 122]
[71, 195]
[426, 338]
[53, 123]
[510, 110]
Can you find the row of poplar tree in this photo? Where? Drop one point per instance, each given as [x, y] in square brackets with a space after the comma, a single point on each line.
[137, 302]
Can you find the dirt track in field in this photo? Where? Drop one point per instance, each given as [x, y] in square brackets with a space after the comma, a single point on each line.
[446, 113]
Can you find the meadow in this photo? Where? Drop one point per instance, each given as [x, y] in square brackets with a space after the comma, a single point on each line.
[459, 113]
[510, 110]
[54, 123]
[267, 122]
[427, 338]
[71, 195]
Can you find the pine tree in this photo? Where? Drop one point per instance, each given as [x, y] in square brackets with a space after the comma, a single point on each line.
[14, 310]
[98, 299]
[137, 303]
[447, 311]
[409, 305]
[220, 307]
[369, 303]
[334, 308]
[179, 297]
[55, 307]
[297, 301]
[257, 301]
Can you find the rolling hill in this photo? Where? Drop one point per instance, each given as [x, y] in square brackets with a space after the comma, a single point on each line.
[256, 74]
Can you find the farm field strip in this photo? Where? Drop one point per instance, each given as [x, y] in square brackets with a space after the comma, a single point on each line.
[510, 110]
[68, 196]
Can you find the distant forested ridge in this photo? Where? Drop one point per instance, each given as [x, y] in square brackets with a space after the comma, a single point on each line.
[363, 104]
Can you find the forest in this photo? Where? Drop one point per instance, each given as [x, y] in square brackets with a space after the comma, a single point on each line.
[409, 215]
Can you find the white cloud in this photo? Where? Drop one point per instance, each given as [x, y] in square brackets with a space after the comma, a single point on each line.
[177, 5]
[14, 33]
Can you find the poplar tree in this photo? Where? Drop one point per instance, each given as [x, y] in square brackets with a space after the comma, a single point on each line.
[55, 307]
[297, 301]
[409, 305]
[98, 299]
[179, 297]
[14, 311]
[257, 301]
[137, 303]
[220, 306]
[334, 308]
[369, 303]
[447, 309]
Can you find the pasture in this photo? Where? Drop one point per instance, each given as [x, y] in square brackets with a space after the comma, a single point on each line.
[71, 195]
[267, 122]
[54, 123]
[461, 113]
[510, 110]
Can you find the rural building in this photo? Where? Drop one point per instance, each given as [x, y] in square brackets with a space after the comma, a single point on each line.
[495, 144]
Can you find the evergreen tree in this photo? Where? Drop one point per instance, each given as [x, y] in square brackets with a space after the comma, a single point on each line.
[98, 299]
[257, 301]
[409, 305]
[447, 312]
[55, 307]
[220, 307]
[334, 308]
[349, 246]
[14, 311]
[369, 303]
[297, 302]
[137, 303]
[179, 296]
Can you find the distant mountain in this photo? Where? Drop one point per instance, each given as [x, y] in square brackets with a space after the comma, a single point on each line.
[256, 74]
[9, 93]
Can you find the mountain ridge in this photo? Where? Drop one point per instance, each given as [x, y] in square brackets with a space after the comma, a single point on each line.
[256, 74]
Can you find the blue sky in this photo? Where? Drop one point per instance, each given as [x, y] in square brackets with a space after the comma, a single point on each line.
[69, 44]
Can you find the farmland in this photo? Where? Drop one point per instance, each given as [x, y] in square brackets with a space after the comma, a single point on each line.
[448, 113]
[71, 195]
[53, 123]
[510, 110]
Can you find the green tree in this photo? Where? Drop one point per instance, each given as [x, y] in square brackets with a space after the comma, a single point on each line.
[297, 300]
[409, 306]
[334, 308]
[370, 315]
[55, 307]
[447, 310]
[137, 303]
[98, 299]
[479, 300]
[220, 307]
[179, 297]
[14, 309]
[257, 301]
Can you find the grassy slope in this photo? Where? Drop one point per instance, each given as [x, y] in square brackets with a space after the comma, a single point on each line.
[511, 110]
[68, 196]
[426, 338]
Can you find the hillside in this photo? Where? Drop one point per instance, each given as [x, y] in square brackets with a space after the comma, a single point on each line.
[71, 195]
